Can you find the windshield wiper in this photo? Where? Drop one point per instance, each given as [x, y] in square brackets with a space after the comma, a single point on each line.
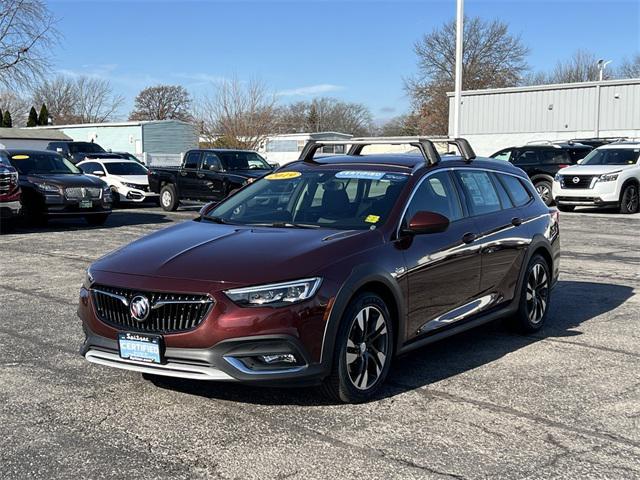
[219, 220]
[285, 225]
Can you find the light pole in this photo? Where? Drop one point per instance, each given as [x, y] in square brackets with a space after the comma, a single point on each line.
[458, 78]
[602, 64]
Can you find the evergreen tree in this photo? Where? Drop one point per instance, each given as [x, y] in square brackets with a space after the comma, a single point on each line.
[33, 118]
[43, 119]
[6, 120]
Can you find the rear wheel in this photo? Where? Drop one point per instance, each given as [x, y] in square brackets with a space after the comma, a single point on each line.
[566, 208]
[97, 219]
[363, 351]
[168, 198]
[535, 296]
[543, 187]
[629, 200]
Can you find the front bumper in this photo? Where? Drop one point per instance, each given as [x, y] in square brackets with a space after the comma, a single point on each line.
[601, 195]
[9, 210]
[137, 196]
[59, 206]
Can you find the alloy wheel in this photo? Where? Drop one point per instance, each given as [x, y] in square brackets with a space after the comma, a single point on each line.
[367, 347]
[166, 198]
[632, 199]
[537, 293]
[544, 192]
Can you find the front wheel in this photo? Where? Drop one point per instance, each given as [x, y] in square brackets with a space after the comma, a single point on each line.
[629, 200]
[543, 187]
[363, 351]
[535, 296]
[168, 198]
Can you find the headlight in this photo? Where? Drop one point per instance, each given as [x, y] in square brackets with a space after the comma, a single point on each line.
[131, 185]
[88, 279]
[608, 177]
[273, 294]
[558, 177]
[48, 188]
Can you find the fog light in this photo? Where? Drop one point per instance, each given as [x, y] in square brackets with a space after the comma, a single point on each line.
[278, 358]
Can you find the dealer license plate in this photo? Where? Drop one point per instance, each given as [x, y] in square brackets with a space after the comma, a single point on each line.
[140, 347]
[86, 204]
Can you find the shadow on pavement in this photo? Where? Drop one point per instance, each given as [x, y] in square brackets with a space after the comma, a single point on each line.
[573, 304]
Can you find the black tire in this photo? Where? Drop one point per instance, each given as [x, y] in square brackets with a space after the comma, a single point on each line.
[168, 198]
[97, 219]
[566, 208]
[362, 357]
[533, 307]
[630, 200]
[34, 216]
[543, 187]
[115, 198]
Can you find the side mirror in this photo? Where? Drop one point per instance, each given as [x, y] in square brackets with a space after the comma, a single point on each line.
[427, 222]
[98, 173]
[206, 208]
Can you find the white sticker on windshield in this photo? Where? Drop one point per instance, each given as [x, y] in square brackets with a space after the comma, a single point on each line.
[360, 174]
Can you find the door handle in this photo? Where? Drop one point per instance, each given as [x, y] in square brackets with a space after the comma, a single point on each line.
[201, 175]
[516, 221]
[469, 237]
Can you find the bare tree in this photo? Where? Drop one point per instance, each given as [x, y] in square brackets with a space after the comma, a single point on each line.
[162, 102]
[243, 113]
[493, 58]
[78, 100]
[630, 68]
[19, 107]
[60, 96]
[326, 114]
[27, 33]
[400, 126]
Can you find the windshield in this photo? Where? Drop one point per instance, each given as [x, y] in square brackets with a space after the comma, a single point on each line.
[242, 161]
[338, 199]
[85, 147]
[612, 156]
[125, 168]
[43, 164]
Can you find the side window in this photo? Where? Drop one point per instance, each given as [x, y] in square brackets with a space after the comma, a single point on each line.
[578, 154]
[526, 157]
[503, 155]
[90, 167]
[210, 161]
[480, 192]
[191, 160]
[555, 157]
[517, 191]
[436, 193]
[505, 200]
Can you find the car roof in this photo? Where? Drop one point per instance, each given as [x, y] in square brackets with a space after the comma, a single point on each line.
[628, 144]
[28, 151]
[231, 150]
[406, 162]
[109, 160]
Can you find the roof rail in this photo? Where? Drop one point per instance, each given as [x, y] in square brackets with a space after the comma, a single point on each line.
[426, 145]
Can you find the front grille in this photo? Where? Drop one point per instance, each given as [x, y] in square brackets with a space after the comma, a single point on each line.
[170, 312]
[584, 181]
[77, 193]
[5, 183]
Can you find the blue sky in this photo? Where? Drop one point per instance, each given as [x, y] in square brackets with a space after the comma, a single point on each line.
[353, 50]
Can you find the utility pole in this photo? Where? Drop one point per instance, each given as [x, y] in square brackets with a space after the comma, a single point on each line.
[602, 64]
[458, 73]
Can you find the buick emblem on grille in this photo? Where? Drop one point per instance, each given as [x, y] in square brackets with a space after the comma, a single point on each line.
[575, 179]
[139, 308]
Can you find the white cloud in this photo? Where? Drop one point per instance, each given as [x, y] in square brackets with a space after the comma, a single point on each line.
[198, 79]
[310, 90]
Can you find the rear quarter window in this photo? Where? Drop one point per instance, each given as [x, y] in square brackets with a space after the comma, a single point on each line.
[517, 191]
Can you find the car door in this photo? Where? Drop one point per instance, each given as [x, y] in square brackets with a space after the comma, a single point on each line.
[501, 236]
[443, 269]
[188, 181]
[211, 186]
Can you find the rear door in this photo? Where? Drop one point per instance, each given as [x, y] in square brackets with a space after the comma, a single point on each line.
[211, 186]
[188, 181]
[443, 269]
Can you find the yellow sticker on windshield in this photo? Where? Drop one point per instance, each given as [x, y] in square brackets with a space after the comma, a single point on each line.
[283, 175]
[20, 157]
[372, 218]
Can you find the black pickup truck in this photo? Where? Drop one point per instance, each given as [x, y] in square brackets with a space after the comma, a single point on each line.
[206, 175]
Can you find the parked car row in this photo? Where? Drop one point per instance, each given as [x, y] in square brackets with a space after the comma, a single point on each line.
[572, 174]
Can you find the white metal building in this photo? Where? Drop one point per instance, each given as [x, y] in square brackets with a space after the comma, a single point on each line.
[500, 118]
[286, 148]
[29, 138]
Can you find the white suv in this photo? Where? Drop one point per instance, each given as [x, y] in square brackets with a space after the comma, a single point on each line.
[128, 180]
[609, 176]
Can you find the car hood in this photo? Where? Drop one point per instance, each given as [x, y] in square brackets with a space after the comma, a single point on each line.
[137, 179]
[593, 169]
[235, 254]
[67, 180]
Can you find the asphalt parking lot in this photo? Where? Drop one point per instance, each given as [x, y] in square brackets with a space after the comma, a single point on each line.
[564, 403]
